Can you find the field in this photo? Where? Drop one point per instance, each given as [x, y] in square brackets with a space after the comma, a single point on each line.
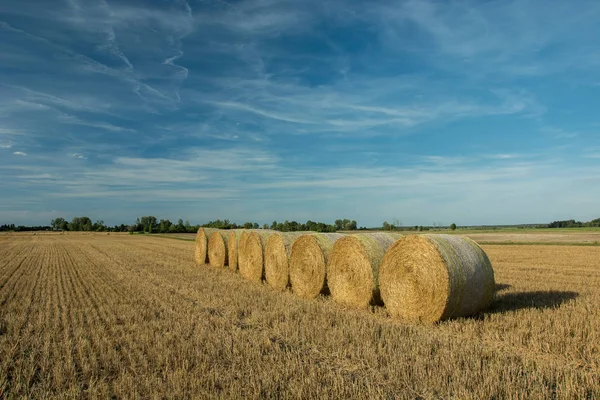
[132, 316]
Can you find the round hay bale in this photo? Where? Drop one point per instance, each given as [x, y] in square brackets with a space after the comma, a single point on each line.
[308, 260]
[353, 268]
[253, 266]
[277, 259]
[431, 278]
[200, 252]
[232, 248]
[217, 248]
[241, 249]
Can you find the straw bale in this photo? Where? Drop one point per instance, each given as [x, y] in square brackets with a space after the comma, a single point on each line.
[201, 248]
[253, 266]
[308, 260]
[431, 278]
[353, 268]
[232, 248]
[217, 248]
[277, 259]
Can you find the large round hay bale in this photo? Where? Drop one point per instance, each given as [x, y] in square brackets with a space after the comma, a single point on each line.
[241, 250]
[353, 268]
[253, 266]
[217, 248]
[232, 248]
[201, 249]
[277, 259]
[435, 277]
[308, 260]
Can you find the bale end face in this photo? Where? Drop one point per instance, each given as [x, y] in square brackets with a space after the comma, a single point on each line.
[307, 267]
[232, 250]
[253, 257]
[217, 250]
[350, 274]
[200, 251]
[276, 263]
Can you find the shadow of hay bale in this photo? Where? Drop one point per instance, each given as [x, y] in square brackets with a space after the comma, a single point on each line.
[502, 286]
[537, 299]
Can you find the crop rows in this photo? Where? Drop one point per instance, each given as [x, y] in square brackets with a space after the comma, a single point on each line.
[103, 316]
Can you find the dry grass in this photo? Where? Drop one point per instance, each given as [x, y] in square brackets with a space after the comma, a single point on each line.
[132, 316]
[584, 237]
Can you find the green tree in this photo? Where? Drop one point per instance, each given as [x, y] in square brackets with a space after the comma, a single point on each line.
[453, 226]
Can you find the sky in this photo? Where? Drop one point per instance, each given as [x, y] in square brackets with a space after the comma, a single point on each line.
[425, 112]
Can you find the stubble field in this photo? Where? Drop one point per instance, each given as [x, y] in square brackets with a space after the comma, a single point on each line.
[132, 316]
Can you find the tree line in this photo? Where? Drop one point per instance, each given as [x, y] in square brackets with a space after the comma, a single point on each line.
[571, 223]
[288, 226]
[151, 224]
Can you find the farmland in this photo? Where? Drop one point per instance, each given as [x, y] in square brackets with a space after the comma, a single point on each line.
[133, 316]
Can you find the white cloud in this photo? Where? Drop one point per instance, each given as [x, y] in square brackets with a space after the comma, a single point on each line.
[5, 146]
[19, 153]
[76, 155]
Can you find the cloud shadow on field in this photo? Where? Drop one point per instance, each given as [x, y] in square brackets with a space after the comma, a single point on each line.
[537, 299]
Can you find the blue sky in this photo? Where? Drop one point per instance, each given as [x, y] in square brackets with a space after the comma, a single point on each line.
[421, 111]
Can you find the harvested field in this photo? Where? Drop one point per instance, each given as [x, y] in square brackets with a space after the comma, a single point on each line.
[133, 316]
[545, 237]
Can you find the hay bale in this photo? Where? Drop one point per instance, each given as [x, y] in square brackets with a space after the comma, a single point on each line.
[252, 267]
[232, 248]
[435, 277]
[353, 268]
[241, 250]
[200, 251]
[217, 248]
[308, 260]
[277, 259]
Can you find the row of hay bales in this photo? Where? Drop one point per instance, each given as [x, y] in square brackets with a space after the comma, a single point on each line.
[418, 277]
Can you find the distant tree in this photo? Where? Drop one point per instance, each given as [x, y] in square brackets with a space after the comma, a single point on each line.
[255, 225]
[248, 225]
[349, 225]
[265, 226]
[453, 226]
[59, 223]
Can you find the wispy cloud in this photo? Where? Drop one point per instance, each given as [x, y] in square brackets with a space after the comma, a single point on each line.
[299, 109]
[76, 155]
